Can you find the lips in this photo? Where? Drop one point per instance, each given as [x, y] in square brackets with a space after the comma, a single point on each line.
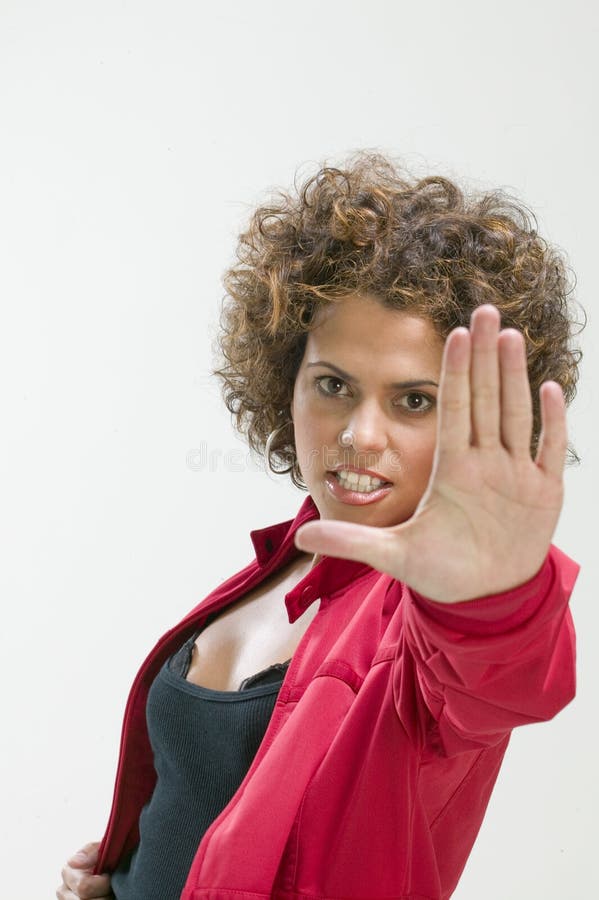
[350, 497]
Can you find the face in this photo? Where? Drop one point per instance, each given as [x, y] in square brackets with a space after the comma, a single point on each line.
[375, 372]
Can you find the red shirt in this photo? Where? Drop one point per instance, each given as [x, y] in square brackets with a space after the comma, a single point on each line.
[377, 766]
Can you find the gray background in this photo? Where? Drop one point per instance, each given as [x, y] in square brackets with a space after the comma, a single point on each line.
[136, 139]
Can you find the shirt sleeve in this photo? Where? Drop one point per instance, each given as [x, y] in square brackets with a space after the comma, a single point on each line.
[484, 666]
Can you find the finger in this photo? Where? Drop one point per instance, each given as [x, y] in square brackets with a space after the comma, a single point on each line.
[377, 547]
[516, 399]
[553, 442]
[484, 375]
[85, 858]
[84, 884]
[63, 893]
[453, 402]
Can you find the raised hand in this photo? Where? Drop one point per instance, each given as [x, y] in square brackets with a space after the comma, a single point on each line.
[487, 516]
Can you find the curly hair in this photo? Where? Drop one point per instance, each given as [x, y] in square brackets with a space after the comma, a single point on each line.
[427, 246]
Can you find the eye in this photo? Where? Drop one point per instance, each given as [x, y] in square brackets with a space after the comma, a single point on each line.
[326, 391]
[423, 402]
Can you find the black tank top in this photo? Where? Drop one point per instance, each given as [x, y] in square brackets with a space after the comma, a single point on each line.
[203, 742]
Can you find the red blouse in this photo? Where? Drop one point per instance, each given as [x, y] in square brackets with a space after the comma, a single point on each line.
[377, 766]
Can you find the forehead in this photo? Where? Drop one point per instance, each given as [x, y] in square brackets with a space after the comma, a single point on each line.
[362, 330]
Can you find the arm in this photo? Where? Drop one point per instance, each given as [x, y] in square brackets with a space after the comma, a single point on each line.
[495, 662]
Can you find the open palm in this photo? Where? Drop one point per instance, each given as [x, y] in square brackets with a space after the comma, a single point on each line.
[485, 522]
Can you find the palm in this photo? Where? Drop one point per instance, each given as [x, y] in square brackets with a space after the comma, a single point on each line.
[493, 519]
[486, 519]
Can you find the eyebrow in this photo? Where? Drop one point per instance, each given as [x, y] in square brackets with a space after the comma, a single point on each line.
[419, 382]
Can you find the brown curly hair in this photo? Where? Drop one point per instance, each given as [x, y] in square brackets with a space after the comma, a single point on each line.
[424, 245]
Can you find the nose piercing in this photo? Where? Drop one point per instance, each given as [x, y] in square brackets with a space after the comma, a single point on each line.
[346, 438]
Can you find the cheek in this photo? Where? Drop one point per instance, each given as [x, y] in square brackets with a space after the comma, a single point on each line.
[316, 443]
[415, 450]
[425, 460]
[312, 434]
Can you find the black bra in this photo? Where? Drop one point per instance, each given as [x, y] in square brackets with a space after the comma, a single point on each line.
[180, 662]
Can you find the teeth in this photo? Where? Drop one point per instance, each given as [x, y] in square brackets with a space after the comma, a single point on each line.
[353, 481]
[355, 478]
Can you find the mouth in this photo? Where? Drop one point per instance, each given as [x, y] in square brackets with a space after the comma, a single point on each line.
[348, 482]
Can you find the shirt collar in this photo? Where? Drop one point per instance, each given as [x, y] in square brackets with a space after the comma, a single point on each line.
[268, 541]
[274, 545]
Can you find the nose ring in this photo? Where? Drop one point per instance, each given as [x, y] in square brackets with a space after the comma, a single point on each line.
[346, 438]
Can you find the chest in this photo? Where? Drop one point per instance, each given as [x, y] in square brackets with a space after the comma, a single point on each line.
[251, 634]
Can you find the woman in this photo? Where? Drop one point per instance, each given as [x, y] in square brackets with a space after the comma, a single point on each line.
[404, 349]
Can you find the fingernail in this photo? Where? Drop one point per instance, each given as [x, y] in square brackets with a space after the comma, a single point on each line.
[79, 857]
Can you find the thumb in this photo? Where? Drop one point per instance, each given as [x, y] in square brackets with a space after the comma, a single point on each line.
[86, 857]
[378, 547]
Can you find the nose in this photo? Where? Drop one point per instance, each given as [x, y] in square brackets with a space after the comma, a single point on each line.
[369, 429]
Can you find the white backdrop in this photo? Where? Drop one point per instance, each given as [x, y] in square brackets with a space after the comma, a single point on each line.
[136, 138]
